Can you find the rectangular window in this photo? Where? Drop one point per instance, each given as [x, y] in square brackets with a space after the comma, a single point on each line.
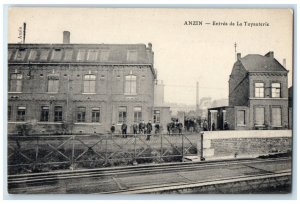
[276, 90]
[80, 114]
[132, 55]
[32, 55]
[89, 83]
[95, 115]
[156, 116]
[130, 84]
[10, 52]
[137, 111]
[9, 113]
[104, 54]
[56, 54]
[241, 117]
[276, 116]
[58, 114]
[20, 54]
[44, 114]
[68, 55]
[259, 90]
[92, 55]
[53, 83]
[122, 114]
[259, 116]
[16, 82]
[21, 113]
[81, 55]
[44, 55]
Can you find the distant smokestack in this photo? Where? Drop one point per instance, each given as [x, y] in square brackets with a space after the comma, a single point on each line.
[66, 37]
[24, 32]
[197, 98]
[284, 63]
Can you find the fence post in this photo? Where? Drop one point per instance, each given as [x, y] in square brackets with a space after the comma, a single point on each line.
[36, 150]
[134, 156]
[182, 146]
[161, 147]
[201, 146]
[106, 139]
[73, 152]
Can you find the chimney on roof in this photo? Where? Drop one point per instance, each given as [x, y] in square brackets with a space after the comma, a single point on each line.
[284, 63]
[66, 37]
[270, 54]
[150, 46]
[238, 56]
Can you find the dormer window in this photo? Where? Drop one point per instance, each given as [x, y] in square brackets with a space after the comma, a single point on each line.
[56, 55]
[81, 55]
[20, 54]
[92, 55]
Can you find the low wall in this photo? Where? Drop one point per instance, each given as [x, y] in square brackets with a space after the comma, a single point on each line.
[250, 143]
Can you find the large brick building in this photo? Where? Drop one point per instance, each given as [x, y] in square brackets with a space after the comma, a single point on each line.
[258, 95]
[86, 86]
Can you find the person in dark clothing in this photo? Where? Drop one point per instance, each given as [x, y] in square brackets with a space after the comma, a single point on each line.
[113, 128]
[149, 129]
[157, 128]
[135, 128]
[142, 127]
[226, 126]
[169, 128]
[205, 125]
[124, 129]
[213, 126]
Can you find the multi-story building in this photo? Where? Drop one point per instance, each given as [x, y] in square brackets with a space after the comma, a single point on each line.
[85, 86]
[258, 95]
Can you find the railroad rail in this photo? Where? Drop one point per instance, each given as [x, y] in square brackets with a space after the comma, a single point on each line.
[77, 181]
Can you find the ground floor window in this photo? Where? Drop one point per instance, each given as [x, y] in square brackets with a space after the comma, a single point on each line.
[95, 115]
[122, 114]
[241, 117]
[137, 114]
[276, 116]
[58, 114]
[81, 114]
[156, 116]
[44, 113]
[21, 113]
[259, 115]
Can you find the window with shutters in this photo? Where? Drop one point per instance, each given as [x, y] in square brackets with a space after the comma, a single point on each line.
[53, 83]
[276, 116]
[241, 120]
[130, 85]
[44, 114]
[16, 82]
[276, 90]
[137, 112]
[58, 114]
[259, 115]
[21, 113]
[122, 114]
[95, 115]
[81, 114]
[259, 90]
[89, 83]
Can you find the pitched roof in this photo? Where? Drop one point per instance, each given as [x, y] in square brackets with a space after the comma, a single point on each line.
[80, 53]
[255, 62]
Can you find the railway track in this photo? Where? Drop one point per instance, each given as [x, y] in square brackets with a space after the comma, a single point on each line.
[132, 170]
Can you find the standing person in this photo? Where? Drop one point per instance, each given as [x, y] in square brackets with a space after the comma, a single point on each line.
[169, 128]
[149, 129]
[124, 129]
[205, 125]
[135, 128]
[113, 128]
[156, 128]
[226, 126]
[180, 126]
[142, 127]
[213, 126]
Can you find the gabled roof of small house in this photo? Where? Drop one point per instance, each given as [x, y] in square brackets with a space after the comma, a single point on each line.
[256, 62]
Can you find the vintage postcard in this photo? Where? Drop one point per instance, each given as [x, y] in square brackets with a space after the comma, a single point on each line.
[149, 100]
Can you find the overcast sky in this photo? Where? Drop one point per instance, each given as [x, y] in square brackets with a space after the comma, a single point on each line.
[183, 54]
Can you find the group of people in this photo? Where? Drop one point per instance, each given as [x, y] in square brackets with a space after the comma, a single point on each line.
[138, 128]
[174, 127]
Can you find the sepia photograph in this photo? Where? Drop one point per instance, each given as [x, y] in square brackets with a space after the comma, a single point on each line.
[149, 100]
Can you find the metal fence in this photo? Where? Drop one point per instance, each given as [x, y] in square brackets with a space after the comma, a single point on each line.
[27, 154]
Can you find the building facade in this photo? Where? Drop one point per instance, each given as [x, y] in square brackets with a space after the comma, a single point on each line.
[258, 95]
[87, 87]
